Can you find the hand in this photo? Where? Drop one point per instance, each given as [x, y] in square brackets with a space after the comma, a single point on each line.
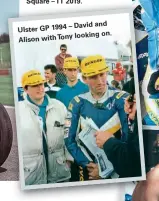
[102, 137]
[131, 111]
[93, 171]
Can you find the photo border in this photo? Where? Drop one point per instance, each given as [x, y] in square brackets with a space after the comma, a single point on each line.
[68, 15]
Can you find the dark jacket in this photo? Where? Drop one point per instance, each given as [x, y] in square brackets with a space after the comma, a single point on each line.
[51, 91]
[59, 61]
[151, 86]
[125, 157]
[129, 86]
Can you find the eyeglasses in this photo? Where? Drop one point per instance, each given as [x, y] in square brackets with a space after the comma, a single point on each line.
[63, 49]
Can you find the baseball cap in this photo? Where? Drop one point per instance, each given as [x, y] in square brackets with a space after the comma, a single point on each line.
[93, 65]
[32, 78]
[71, 62]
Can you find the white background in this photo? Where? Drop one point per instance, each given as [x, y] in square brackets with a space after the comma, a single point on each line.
[110, 192]
[28, 9]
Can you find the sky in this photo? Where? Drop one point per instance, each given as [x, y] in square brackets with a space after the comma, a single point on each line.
[37, 54]
[8, 9]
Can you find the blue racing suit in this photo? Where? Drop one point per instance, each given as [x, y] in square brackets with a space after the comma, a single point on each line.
[150, 20]
[84, 107]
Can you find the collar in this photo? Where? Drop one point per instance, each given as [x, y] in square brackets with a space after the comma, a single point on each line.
[102, 99]
[36, 109]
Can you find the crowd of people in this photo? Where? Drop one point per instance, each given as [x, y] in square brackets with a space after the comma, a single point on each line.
[58, 107]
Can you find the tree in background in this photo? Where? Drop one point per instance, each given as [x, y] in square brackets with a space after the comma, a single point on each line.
[4, 38]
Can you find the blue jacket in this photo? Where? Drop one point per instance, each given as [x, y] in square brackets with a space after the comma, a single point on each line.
[84, 107]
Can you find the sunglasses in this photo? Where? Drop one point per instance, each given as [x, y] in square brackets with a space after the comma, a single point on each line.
[63, 49]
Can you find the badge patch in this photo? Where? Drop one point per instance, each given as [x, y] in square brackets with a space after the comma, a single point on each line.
[70, 106]
[77, 99]
[120, 94]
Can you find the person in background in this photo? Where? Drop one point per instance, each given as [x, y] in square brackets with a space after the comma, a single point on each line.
[45, 157]
[74, 86]
[115, 84]
[125, 157]
[59, 61]
[51, 86]
[130, 85]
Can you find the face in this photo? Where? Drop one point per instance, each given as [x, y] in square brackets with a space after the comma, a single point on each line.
[97, 83]
[63, 50]
[49, 76]
[36, 92]
[71, 74]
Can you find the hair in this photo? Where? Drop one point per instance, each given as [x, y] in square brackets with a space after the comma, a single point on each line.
[115, 84]
[63, 45]
[51, 67]
[26, 87]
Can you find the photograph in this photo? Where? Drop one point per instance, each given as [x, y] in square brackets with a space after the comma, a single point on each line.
[76, 99]
[9, 164]
[147, 189]
[146, 33]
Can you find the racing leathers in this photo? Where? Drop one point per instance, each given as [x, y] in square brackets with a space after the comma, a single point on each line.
[84, 108]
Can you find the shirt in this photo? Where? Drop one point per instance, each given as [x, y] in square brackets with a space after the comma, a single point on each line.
[51, 89]
[67, 93]
[60, 60]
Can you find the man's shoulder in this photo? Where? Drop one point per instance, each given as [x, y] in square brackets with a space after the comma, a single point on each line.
[63, 90]
[68, 55]
[56, 103]
[22, 106]
[118, 94]
[79, 99]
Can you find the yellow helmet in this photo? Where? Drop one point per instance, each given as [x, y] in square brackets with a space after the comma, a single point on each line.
[31, 78]
[71, 62]
[93, 65]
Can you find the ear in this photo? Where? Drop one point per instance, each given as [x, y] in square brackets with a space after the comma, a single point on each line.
[64, 71]
[84, 79]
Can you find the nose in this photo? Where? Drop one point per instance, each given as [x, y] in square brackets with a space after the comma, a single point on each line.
[73, 72]
[99, 80]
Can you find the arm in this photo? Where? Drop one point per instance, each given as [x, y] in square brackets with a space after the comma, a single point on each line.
[125, 157]
[151, 86]
[70, 134]
[119, 104]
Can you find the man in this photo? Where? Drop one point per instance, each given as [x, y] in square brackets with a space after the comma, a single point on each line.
[125, 157]
[74, 86]
[119, 73]
[42, 134]
[148, 190]
[51, 86]
[102, 105]
[59, 61]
